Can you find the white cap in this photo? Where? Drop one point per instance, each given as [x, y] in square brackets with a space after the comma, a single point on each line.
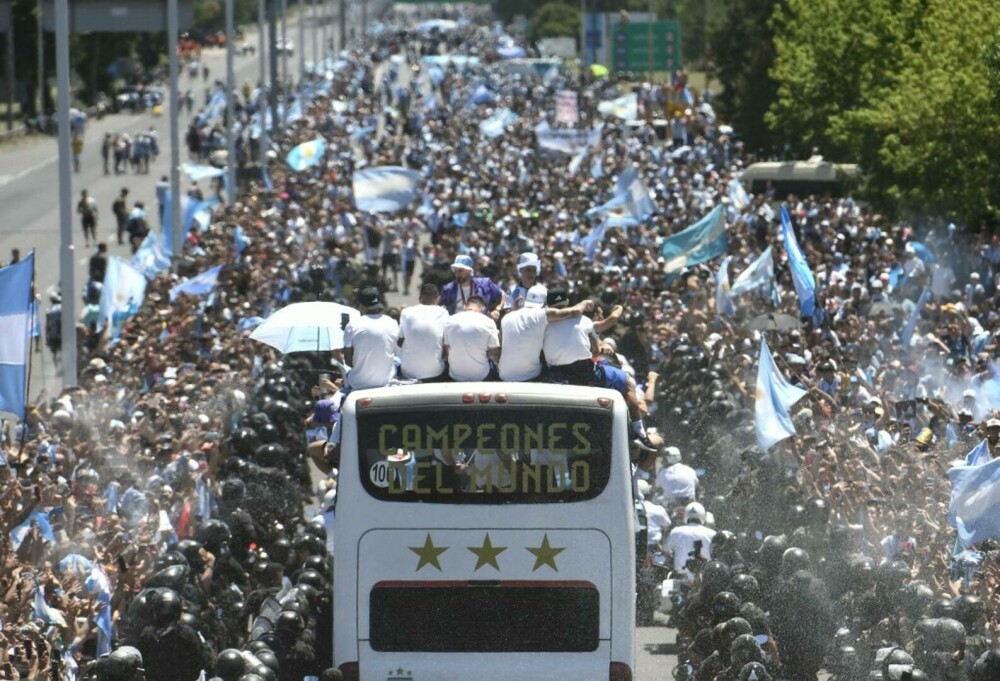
[694, 512]
[644, 488]
[528, 260]
[672, 454]
[536, 295]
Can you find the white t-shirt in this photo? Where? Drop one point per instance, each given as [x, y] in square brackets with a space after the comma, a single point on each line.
[468, 336]
[523, 336]
[421, 327]
[678, 482]
[657, 522]
[373, 338]
[681, 543]
[568, 341]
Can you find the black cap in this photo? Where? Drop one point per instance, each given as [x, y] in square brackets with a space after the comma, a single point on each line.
[557, 296]
[370, 298]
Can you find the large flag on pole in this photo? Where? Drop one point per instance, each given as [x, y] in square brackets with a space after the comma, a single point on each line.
[975, 502]
[15, 334]
[802, 277]
[773, 398]
[307, 154]
[386, 189]
[703, 241]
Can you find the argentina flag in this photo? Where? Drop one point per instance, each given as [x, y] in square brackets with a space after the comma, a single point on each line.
[703, 241]
[15, 333]
[386, 189]
[122, 295]
[307, 154]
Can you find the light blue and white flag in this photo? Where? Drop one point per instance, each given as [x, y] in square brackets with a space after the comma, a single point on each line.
[215, 109]
[723, 299]
[240, 241]
[630, 203]
[295, 112]
[200, 285]
[772, 400]
[597, 166]
[975, 502]
[200, 171]
[802, 276]
[594, 239]
[362, 131]
[625, 107]
[151, 259]
[577, 161]
[122, 295]
[979, 455]
[703, 241]
[43, 611]
[481, 95]
[738, 195]
[306, 155]
[911, 324]
[566, 140]
[99, 585]
[496, 125]
[386, 189]
[15, 334]
[759, 274]
[41, 518]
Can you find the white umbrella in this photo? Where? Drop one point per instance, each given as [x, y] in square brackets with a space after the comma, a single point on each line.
[306, 327]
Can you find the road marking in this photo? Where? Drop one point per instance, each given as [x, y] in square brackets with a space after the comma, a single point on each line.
[7, 179]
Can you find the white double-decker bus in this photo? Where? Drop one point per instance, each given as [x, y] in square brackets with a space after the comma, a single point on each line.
[485, 532]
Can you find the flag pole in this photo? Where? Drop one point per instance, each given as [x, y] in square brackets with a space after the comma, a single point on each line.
[27, 363]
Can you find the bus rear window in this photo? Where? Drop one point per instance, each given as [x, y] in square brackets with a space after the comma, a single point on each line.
[499, 618]
[493, 455]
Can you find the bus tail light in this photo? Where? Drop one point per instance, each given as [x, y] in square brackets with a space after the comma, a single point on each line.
[365, 402]
[484, 398]
[604, 401]
[619, 672]
[500, 399]
[351, 671]
[468, 398]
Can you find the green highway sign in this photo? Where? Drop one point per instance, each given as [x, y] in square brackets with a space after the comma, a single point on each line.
[632, 52]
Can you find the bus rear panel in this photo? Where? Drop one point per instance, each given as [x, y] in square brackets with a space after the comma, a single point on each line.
[484, 530]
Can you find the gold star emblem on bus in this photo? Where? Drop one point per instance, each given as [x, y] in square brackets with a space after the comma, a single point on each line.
[487, 553]
[428, 553]
[545, 554]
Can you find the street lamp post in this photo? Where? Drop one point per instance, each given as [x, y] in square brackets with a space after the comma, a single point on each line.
[230, 107]
[66, 252]
[302, 45]
[261, 96]
[173, 29]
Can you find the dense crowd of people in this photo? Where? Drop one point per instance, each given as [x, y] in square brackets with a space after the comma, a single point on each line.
[158, 507]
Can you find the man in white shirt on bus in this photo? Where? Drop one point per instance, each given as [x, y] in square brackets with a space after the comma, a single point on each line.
[523, 333]
[421, 337]
[528, 269]
[685, 539]
[471, 342]
[370, 343]
[677, 481]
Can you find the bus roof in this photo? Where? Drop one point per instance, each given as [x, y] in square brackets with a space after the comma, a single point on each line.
[485, 393]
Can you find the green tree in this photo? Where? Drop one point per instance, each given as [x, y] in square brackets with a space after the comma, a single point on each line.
[555, 20]
[907, 88]
[743, 68]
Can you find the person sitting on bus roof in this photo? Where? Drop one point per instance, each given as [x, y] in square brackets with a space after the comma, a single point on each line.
[570, 347]
[370, 344]
[523, 333]
[471, 343]
[421, 337]
[528, 269]
[457, 293]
